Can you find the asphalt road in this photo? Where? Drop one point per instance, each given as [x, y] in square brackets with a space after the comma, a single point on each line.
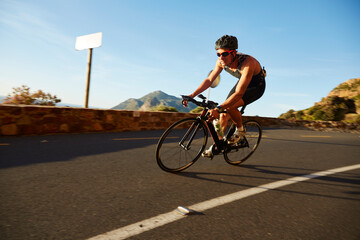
[80, 186]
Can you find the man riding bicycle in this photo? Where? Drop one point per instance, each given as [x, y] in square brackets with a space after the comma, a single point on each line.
[249, 88]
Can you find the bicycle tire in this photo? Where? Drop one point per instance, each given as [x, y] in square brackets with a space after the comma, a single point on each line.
[241, 151]
[175, 151]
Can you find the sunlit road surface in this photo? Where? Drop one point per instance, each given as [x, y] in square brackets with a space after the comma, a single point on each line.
[83, 186]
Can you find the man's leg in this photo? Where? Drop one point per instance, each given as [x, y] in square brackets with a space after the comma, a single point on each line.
[235, 115]
[224, 119]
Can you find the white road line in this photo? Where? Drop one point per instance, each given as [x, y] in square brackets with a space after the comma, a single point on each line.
[314, 136]
[147, 138]
[162, 219]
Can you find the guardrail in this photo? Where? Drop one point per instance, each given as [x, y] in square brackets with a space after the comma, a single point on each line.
[19, 120]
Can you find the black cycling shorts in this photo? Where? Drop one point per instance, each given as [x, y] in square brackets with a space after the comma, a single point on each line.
[254, 91]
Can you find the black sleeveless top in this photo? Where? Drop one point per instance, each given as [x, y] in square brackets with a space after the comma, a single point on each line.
[256, 80]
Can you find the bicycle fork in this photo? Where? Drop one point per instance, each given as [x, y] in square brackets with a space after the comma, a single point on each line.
[193, 133]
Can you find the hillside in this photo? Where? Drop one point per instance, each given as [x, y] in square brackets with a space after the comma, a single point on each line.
[152, 100]
[341, 104]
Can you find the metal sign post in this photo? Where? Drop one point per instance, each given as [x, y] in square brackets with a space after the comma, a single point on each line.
[88, 79]
[88, 42]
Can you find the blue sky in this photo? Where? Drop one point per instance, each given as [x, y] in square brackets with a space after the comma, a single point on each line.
[308, 47]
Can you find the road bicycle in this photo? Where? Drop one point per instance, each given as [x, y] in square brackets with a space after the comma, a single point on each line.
[182, 144]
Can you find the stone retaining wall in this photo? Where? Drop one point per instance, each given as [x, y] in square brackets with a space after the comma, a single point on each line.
[17, 120]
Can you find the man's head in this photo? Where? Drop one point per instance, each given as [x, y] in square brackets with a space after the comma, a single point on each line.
[226, 41]
[226, 49]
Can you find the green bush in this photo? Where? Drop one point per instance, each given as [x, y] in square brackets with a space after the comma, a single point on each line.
[197, 110]
[299, 115]
[312, 110]
[331, 109]
[162, 108]
[357, 119]
[289, 114]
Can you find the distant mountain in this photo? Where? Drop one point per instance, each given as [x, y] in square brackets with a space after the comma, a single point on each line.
[342, 103]
[60, 104]
[152, 100]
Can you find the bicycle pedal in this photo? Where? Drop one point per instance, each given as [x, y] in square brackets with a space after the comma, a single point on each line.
[210, 153]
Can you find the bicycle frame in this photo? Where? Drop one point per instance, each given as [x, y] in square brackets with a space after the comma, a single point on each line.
[221, 144]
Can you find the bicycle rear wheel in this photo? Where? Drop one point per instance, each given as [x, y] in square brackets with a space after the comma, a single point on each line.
[181, 145]
[241, 151]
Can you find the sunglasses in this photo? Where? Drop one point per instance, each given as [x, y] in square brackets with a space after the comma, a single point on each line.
[224, 54]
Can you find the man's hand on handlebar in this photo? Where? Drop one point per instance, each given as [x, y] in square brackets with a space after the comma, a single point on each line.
[185, 100]
[213, 114]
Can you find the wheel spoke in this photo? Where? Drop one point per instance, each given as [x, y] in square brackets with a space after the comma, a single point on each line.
[247, 146]
[174, 156]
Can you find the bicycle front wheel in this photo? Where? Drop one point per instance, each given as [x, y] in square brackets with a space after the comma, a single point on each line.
[181, 145]
[241, 151]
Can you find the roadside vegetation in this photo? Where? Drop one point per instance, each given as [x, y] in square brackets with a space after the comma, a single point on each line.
[162, 108]
[342, 104]
[22, 95]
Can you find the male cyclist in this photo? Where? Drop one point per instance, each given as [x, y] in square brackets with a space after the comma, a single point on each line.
[249, 88]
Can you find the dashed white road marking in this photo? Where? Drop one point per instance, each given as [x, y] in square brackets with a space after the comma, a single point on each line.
[315, 136]
[147, 138]
[162, 219]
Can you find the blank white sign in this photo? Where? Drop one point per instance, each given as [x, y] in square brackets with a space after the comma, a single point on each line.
[88, 41]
